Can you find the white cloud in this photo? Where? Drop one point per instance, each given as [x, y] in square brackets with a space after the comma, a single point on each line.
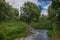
[46, 7]
[19, 3]
[44, 12]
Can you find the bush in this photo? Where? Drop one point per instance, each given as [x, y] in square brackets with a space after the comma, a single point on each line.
[42, 25]
[50, 33]
[12, 30]
[31, 12]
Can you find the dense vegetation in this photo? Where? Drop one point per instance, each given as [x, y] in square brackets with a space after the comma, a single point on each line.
[6, 11]
[54, 17]
[12, 27]
[31, 12]
[31, 15]
[43, 23]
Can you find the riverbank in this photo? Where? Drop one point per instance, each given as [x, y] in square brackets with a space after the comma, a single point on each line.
[54, 36]
[35, 34]
[11, 30]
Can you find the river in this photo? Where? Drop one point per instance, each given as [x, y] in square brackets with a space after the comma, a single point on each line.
[37, 34]
[43, 35]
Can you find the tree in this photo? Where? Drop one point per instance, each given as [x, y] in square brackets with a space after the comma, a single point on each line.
[54, 11]
[51, 13]
[55, 4]
[31, 12]
[54, 14]
[43, 23]
[6, 11]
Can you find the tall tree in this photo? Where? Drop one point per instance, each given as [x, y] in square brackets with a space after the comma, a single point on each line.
[54, 14]
[31, 12]
[6, 11]
[54, 11]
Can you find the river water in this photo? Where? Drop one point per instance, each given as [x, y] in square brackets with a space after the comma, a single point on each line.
[36, 34]
[42, 36]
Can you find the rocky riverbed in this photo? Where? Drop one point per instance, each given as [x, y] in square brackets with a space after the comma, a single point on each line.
[36, 34]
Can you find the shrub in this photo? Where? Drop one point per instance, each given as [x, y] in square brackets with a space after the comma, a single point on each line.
[42, 25]
[12, 30]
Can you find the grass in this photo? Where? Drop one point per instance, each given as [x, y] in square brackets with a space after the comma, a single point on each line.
[53, 36]
[12, 29]
[50, 33]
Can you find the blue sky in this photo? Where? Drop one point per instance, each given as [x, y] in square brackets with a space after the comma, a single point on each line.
[19, 3]
[44, 6]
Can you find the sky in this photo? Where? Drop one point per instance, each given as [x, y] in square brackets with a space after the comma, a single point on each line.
[44, 6]
[19, 3]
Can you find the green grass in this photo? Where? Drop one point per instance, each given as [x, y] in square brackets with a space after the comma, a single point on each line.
[12, 29]
[58, 33]
[50, 33]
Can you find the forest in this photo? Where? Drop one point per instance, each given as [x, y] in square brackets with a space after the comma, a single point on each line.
[13, 26]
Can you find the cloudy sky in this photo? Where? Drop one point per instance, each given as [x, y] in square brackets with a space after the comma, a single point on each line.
[45, 5]
[19, 3]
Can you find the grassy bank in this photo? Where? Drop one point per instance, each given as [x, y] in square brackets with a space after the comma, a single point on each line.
[54, 36]
[12, 29]
[47, 26]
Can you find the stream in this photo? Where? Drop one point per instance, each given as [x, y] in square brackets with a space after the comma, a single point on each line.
[36, 34]
[42, 36]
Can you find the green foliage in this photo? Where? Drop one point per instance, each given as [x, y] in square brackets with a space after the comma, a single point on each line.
[50, 33]
[6, 11]
[31, 12]
[54, 17]
[12, 30]
[58, 33]
[43, 23]
[54, 13]
[55, 4]
[51, 14]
